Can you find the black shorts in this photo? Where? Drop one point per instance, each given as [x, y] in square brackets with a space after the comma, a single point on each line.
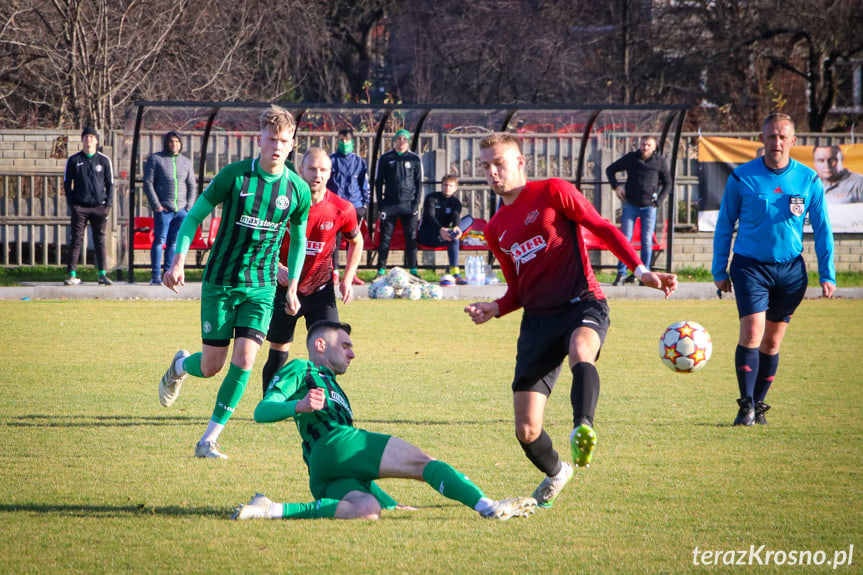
[314, 307]
[543, 342]
[776, 289]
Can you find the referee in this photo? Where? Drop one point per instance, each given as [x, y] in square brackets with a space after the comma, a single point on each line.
[768, 198]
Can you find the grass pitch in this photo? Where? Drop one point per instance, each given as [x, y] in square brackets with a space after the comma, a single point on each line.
[96, 477]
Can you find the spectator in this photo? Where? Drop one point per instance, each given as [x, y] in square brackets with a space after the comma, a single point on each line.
[260, 198]
[440, 225]
[343, 461]
[328, 215]
[767, 199]
[89, 185]
[647, 184]
[349, 180]
[398, 190]
[841, 186]
[169, 183]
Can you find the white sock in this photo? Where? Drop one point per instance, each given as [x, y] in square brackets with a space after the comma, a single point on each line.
[562, 473]
[277, 510]
[178, 366]
[213, 431]
[483, 504]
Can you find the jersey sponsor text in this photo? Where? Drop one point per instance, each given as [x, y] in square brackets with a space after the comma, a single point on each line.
[258, 223]
[314, 248]
[526, 251]
[341, 401]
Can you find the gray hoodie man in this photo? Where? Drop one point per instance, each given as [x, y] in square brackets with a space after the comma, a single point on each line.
[169, 178]
[169, 182]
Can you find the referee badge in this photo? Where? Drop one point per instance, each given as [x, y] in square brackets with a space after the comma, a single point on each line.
[798, 205]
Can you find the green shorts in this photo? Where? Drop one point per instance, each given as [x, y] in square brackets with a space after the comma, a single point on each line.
[227, 309]
[346, 460]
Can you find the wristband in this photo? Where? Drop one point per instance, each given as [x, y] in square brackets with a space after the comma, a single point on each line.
[640, 271]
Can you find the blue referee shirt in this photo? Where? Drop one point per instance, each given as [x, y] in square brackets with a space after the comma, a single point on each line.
[770, 208]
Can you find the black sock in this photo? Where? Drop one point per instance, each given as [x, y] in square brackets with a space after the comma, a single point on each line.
[584, 393]
[275, 360]
[767, 366]
[542, 454]
[746, 364]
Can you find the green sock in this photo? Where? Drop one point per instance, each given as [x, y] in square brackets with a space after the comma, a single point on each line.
[192, 365]
[320, 509]
[230, 393]
[415, 272]
[452, 484]
[102, 272]
[73, 274]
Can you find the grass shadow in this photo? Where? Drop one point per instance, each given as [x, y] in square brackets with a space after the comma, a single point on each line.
[448, 422]
[49, 421]
[114, 510]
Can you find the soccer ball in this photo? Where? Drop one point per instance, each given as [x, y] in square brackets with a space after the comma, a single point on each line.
[374, 287]
[399, 278]
[415, 292]
[432, 292]
[380, 290]
[385, 292]
[685, 347]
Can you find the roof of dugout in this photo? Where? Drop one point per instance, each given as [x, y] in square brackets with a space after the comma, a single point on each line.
[573, 134]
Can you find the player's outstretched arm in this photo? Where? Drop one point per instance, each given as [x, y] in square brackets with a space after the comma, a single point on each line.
[292, 302]
[665, 282]
[276, 407]
[176, 275]
[482, 311]
[355, 254]
[282, 275]
[313, 401]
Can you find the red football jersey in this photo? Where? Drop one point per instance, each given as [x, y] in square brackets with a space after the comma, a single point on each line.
[539, 244]
[326, 218]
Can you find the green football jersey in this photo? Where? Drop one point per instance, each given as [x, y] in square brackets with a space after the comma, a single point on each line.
[295, 380]
[257, 207]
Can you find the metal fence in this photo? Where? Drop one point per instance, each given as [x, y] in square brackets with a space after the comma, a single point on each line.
[34, 225]
[34, 221]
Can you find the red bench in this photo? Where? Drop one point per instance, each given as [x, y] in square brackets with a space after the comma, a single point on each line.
[397, 243]
[594, 242]
[144, 237]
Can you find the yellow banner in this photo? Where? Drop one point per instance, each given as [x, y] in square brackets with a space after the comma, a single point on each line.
[839, 167]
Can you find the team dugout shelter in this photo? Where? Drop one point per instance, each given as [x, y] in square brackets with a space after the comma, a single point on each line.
[575, 143]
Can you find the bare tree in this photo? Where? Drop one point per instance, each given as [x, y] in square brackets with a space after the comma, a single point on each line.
[828, 34]
[70, 62]
[760, 55]
[490, 51]
[75, 61]
[359, 35]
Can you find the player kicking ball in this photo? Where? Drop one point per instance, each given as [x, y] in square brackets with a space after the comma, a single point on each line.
[536, 237]
[343, 461]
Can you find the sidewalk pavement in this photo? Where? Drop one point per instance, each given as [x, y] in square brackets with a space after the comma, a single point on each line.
[192, 291]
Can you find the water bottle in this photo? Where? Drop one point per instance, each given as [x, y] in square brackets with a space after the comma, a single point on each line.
[470, 270]
[490, 275]
[480, 271]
